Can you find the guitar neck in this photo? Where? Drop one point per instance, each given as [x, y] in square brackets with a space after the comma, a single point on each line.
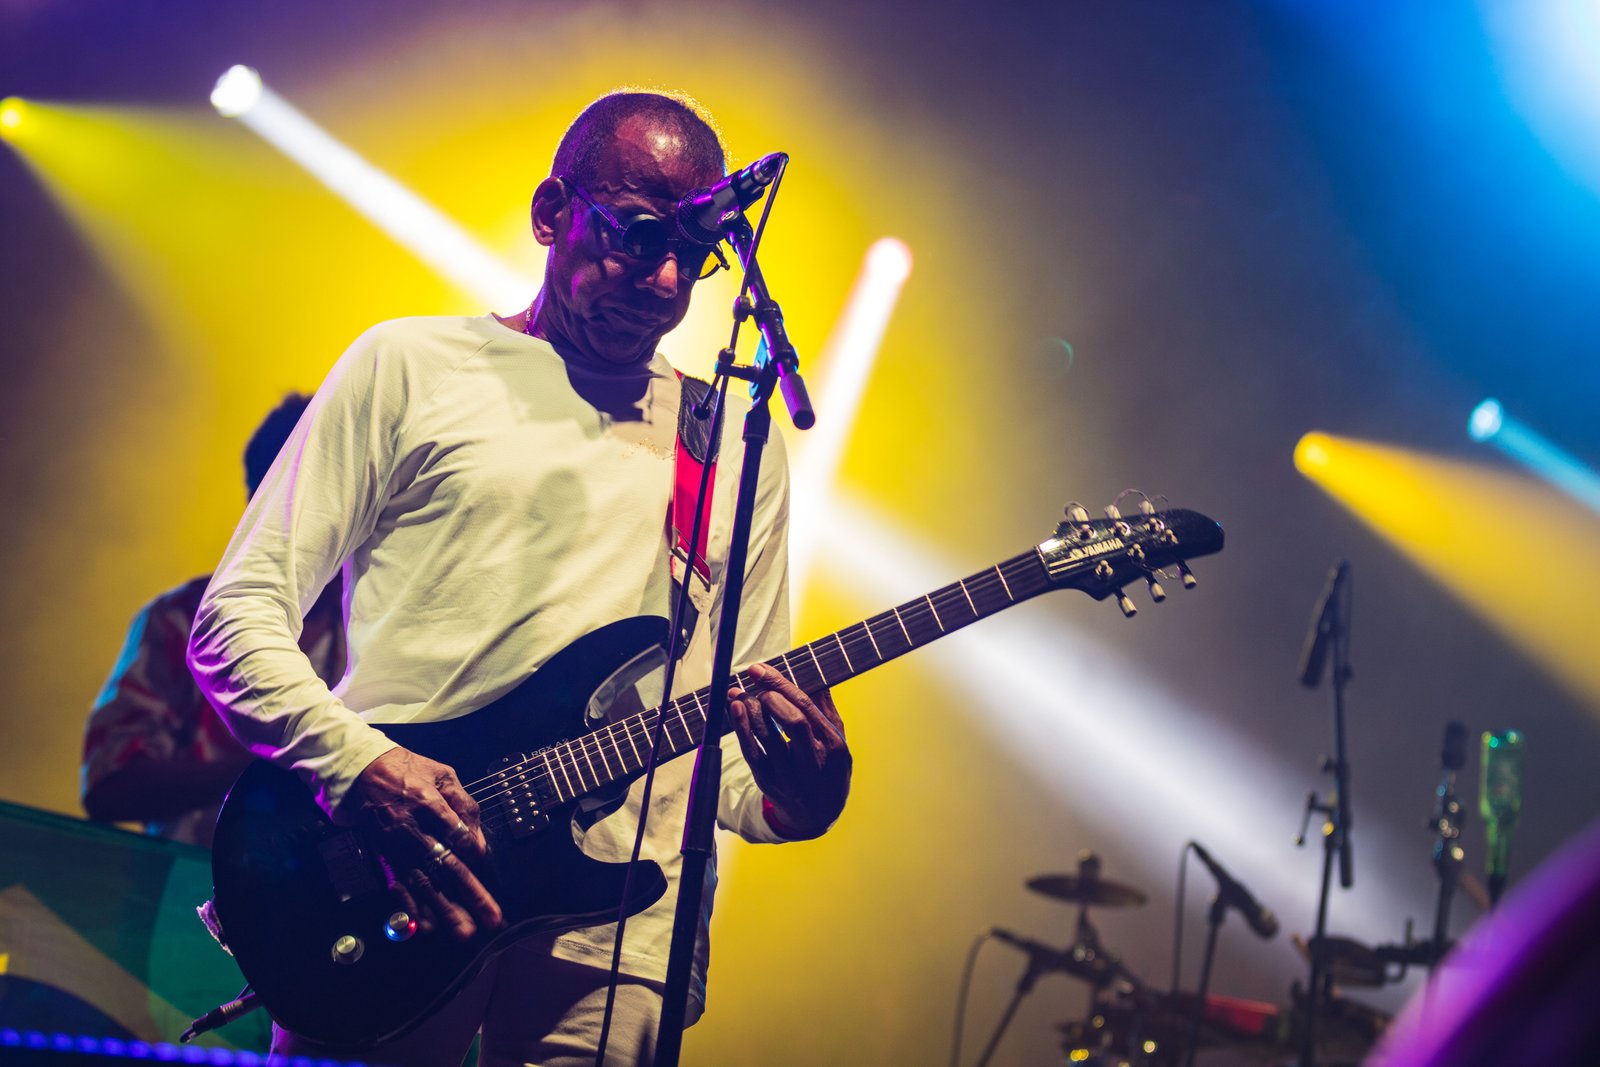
[620, 750]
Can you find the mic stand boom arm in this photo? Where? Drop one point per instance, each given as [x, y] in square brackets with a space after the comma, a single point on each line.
[780, 369]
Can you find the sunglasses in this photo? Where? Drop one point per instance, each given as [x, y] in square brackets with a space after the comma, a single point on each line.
[647, 238]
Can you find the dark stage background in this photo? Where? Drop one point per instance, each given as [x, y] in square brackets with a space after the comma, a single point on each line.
[1154, 245]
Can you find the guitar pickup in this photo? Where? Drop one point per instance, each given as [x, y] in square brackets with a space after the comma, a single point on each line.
[526, 794]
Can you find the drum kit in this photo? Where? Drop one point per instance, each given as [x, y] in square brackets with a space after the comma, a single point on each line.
[1130, 1023]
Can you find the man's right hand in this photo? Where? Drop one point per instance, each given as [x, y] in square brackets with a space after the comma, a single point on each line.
[427, 830]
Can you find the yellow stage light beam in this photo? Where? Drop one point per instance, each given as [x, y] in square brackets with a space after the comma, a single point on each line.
[416, 224]
[1519, 553]
[845, 365]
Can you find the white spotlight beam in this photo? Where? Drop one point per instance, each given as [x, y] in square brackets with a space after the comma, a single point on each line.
[1491, 425]
[414, 223]
[846, 361]
[1139, 763]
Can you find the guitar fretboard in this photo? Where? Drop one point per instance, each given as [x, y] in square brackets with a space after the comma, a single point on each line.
[620, 750]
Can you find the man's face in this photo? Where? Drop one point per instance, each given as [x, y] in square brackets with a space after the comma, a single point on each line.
[604, 306]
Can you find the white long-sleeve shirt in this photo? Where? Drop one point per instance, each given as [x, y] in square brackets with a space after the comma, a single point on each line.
[489, 504]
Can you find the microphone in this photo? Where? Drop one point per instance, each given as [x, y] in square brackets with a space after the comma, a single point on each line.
[1230, 892]
[1453, 754]
[1500, 802]
[1317, 641]
[1097, 968]
[706, 215]
[1037, 949]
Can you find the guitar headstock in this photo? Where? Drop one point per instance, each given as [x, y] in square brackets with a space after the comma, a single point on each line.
[1100, 556]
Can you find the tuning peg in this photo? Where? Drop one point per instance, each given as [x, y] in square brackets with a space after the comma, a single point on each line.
[1076, 512]
[1157, 593]
[1112, 512]
[1189, 581]
[1128, 610]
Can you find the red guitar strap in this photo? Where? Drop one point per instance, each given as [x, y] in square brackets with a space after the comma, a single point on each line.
[694, 451]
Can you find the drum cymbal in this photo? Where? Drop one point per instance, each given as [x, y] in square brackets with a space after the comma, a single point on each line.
[1079, 890]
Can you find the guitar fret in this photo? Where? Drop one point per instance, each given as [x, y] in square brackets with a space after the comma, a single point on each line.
[561, 763]
[933, 608]
[903, 629]
[820, 674]
[628, 733]
[550, 772]
[963, 586]
[592, 747]
[1005, 584]
[845, 652]
[867, 626]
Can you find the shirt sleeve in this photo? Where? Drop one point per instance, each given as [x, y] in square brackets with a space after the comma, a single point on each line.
[149, 704]
[318, 503]
[764, 633]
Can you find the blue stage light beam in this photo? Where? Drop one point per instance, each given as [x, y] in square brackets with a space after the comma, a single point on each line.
[1489, 424]
[415, 224]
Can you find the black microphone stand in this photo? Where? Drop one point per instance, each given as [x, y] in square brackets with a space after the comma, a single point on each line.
[1331, 634]
[1447, 854]
[1219, 911]
[780, 369]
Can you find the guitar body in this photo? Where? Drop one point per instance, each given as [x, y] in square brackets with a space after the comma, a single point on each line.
[292, 888]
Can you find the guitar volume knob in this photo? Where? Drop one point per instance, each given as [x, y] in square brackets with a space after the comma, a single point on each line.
[348, 949]
[400, 927]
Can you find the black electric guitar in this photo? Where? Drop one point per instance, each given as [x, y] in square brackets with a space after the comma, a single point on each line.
[304, 905]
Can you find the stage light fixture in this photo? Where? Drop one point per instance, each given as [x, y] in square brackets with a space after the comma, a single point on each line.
[845, 364]
[12, 111]
[1491, 425]
[237, 91]
[1486, 420]
[1311, 453]
[410, 220]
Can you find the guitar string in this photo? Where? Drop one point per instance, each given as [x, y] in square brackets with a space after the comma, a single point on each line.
[497, 804]
[591, 746]
[1024, 565]
[515, 777]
